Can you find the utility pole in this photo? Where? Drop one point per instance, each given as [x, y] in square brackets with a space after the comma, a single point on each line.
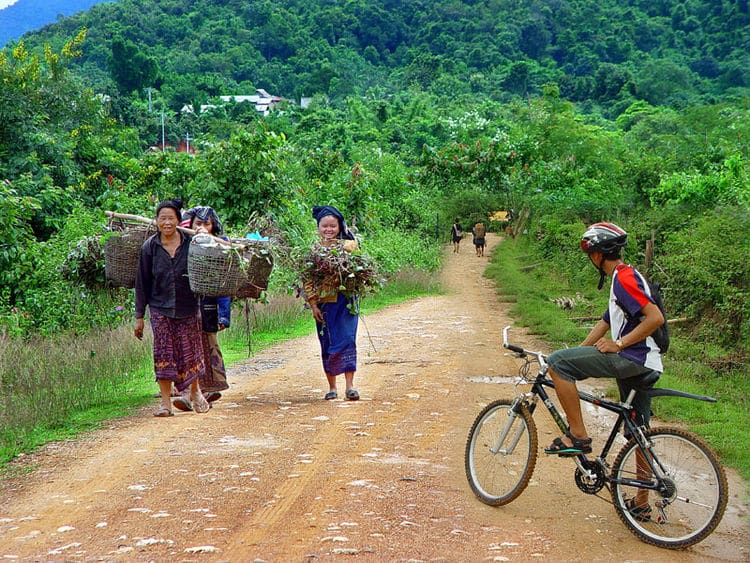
[187, 143]
[148, 91]
[163, 148]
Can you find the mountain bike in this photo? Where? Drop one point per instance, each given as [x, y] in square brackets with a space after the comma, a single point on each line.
[686, 484]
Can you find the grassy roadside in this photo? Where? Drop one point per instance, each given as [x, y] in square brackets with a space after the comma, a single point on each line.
[688, 366]
[56, 389]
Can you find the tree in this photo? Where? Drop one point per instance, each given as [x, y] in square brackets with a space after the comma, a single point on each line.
[610, 81]
[130, 68]
[518, 78]
[662, 79]
[15, 236]
[244, 175]
[534, 39]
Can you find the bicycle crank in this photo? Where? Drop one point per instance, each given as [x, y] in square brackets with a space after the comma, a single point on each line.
[589, 476]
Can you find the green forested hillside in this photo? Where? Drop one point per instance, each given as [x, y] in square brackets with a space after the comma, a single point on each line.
[422, 119]
[607, 53]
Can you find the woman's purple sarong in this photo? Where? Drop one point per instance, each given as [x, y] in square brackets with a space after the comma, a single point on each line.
[338, 335]
[178, 349]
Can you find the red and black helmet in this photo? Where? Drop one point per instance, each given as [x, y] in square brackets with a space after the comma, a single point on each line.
[607, 238]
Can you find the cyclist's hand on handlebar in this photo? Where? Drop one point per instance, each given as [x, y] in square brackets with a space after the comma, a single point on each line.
[605, 345]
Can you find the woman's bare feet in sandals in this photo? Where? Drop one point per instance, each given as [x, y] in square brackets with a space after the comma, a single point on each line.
[163, 411]
[199, 402]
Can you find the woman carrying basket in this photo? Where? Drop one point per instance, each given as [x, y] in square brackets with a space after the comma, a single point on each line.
[336, 315]
[161, 283]
[215, 316]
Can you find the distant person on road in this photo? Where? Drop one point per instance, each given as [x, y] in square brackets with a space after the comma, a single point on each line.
[336, 315]
[162, 284]
[479, 233]
[629, 354]
[456, 235]
[215, 317]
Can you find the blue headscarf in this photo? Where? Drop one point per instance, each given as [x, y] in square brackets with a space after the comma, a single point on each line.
[204, 213]
[320, 211]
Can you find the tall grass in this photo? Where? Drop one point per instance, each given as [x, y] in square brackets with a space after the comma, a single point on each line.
[48, 382]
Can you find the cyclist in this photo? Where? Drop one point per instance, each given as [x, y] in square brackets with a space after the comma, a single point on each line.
[628, 353]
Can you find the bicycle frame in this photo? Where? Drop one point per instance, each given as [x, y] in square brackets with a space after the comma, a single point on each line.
[623, 410]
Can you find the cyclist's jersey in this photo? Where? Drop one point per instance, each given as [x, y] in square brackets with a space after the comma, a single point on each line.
[630, 291]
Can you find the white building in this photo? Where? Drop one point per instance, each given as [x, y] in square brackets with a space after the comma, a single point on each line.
[263, 101]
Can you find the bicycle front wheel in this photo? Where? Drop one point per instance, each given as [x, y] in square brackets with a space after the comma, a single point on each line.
[501, 452]
[693, 489]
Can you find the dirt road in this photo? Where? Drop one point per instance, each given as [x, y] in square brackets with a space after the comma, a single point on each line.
[274, 473]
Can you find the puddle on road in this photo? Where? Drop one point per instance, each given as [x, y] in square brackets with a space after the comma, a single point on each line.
[494, 379]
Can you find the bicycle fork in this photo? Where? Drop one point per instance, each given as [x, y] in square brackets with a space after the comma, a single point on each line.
[517, 430]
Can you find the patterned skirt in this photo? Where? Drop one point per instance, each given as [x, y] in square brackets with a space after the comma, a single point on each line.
[338, 335]
[178, 350]
[215, 376]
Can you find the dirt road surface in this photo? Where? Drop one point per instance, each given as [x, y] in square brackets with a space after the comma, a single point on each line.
[274, 473]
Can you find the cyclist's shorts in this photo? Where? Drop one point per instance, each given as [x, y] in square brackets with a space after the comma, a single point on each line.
[582, 362]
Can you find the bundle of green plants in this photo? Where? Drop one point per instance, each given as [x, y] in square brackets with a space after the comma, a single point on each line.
[356, 272]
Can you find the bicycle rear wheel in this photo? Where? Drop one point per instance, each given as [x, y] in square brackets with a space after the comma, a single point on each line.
[694, 495]
[501, 453]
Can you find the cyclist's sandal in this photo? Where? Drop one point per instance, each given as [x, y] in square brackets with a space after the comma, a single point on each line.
[558, 447]
[640, 513]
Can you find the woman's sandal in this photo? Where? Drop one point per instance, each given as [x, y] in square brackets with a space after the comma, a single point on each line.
[640, 513]
[580, 446]
[183, 404]
[200, 404]
[352, 395]
[163, 411]
[212, 396]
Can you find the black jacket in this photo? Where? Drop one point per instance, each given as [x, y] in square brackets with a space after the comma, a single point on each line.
[161, 281]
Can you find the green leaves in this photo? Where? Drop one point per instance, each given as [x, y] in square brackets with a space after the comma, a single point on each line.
[245, 175]
[331, 269]
[131, 68]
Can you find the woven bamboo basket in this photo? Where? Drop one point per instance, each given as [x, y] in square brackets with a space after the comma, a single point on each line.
[121, 254]
[240, 270]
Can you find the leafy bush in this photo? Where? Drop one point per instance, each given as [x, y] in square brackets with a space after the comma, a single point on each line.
[709, 274]
[727, 185]
[395, 250]
[63, 285]
[244, 175]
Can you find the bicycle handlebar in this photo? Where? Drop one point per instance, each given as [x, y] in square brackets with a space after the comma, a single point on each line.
[509, 346]
[540, 356]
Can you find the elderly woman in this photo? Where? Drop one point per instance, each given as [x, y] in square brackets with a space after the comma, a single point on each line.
[336, 315]
[162, 284]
